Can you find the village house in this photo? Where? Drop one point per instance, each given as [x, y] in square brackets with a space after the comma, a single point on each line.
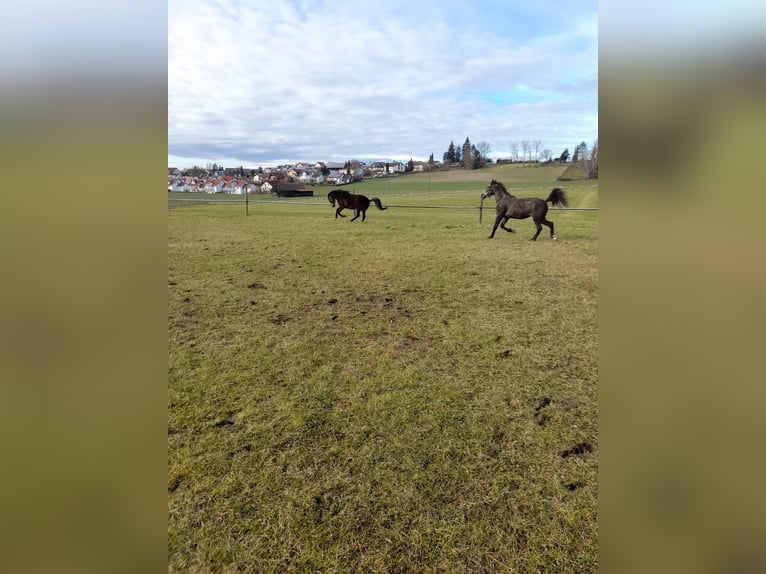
[265, 180]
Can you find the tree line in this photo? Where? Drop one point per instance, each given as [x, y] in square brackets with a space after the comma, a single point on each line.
[469, 156]
[523, 150]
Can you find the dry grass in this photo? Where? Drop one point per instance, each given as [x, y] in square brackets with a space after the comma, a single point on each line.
[402, 395]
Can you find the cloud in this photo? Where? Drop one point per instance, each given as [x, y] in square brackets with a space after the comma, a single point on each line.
[328, 81]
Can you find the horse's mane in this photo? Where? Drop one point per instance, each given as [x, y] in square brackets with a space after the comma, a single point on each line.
[500, 185]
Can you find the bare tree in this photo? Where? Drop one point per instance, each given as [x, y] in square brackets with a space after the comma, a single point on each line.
[484, 149]
[352, 167]
[546, 155]
[525, 148]
[591, 162]
[537, 144]
[515, 150]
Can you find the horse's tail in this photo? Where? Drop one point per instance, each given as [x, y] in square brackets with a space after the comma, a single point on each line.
[558, 197]
[376, 201]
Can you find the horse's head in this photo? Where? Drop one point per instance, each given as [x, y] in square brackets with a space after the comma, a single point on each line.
[331, 199]
[490, 190]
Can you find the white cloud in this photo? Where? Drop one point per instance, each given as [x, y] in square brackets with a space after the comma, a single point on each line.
[670, 29]
[272, 80]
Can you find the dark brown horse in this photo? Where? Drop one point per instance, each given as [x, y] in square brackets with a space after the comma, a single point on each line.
[346, 200]
[511, 207]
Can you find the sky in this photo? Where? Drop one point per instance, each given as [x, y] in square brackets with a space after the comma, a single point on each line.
[271, 82]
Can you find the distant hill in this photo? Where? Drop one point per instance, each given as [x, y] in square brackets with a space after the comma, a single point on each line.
[573, 172]
[517, 172]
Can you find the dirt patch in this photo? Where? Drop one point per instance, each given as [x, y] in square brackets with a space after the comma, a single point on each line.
[580, 448]
[175, 483]
[542, 417]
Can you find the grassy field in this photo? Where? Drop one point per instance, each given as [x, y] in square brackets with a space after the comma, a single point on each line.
[398, 395]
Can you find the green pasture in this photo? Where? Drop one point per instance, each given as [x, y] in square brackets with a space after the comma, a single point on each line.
[397, 395]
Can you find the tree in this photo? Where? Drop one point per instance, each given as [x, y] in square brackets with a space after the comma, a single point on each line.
[546, 155]
[196, 171]
[537, 145]
[591, 163]
[515, 150]
[524, 148]
[449, 155]
[410, 166]
[351, 167]
[581, 153]
[484, 149]
[467, 154]
[564, 155]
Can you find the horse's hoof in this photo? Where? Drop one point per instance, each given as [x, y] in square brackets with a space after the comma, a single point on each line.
[555, 238]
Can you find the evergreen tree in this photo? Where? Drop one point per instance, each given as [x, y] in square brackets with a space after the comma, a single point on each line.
[564, 156]
[449, 155]
[476, 154]
[467, 154]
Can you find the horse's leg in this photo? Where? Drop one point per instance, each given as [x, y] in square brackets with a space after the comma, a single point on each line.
[502, 224]
[356, 211]
[364, 214]
[539, 229]
[549, 224]
[498, 219]
[338, 212]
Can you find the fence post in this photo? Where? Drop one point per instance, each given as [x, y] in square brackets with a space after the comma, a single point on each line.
[247, 211]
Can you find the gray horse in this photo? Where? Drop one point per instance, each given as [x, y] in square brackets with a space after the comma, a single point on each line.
[511, 207]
